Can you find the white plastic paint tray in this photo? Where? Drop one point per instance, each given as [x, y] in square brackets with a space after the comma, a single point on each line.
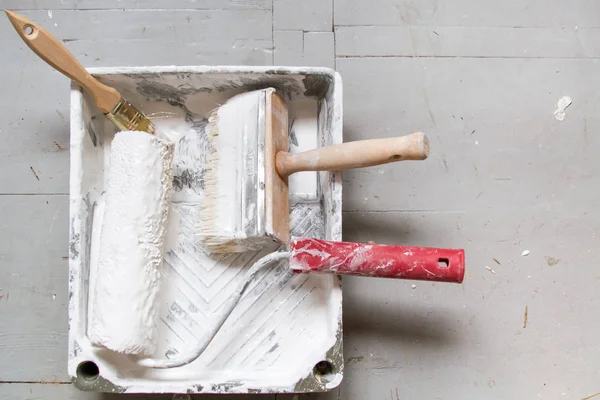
[286, 334]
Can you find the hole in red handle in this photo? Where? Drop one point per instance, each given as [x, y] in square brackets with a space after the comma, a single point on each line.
[443, 263]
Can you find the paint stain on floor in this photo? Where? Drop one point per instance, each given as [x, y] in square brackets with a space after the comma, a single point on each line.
[551, 261]
[353, 360]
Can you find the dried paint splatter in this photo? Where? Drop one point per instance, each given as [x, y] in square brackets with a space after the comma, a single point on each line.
[489, 269]
[561, 106]
[551, 261]
[354, 360]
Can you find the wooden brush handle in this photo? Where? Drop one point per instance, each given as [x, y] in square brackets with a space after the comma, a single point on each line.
[49, 49]
[362, 153]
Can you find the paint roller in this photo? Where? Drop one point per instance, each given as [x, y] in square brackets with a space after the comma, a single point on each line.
[123, 300]
[308, 255]
[245, 205]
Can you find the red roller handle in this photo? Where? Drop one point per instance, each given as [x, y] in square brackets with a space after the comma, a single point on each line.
[376, 260]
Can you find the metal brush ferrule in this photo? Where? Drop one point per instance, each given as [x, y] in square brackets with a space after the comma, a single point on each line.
[127, 118]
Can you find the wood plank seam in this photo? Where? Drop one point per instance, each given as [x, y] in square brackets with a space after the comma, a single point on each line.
[477, 57]
[38, 382]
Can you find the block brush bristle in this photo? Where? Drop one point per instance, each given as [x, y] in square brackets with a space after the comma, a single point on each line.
[236, 208]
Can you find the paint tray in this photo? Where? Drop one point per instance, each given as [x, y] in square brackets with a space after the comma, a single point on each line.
[286, 333]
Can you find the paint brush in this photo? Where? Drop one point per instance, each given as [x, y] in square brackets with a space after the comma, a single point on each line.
[245, 204]
[122, 113]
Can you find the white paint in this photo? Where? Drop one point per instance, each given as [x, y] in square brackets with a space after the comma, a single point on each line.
[300, 313]
[174, 127]
[130, 250]
[525, 253]
[219, 320]
[304, 126]
[561, 106]
[230, 128]
[414, 286]
[50, 14]
[361, 255]
[323, 255]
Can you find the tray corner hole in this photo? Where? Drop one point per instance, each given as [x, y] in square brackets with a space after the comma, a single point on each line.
[324, 371]
[88, 371]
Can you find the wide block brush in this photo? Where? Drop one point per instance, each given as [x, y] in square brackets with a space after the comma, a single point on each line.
[246, 187]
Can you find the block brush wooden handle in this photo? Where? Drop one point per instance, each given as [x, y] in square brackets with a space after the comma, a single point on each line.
[362, 153]
[48, 48]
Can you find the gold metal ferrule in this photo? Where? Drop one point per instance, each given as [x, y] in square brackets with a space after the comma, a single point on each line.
[128, 118]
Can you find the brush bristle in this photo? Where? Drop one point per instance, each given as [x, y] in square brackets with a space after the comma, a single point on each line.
[208, 219]
[213, 237]
[232, 218]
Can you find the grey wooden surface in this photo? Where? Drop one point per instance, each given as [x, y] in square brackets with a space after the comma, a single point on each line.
[481, 78]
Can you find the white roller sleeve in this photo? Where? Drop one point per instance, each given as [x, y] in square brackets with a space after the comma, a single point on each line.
[124, 307]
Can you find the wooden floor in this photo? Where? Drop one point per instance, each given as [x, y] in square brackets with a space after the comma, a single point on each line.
[480, 77]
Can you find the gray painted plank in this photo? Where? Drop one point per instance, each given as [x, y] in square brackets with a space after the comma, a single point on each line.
[297, 48]
[307, 15]
[137, 4]
[469, 341]
[211, 51]
[333, 394]
[288, 47]
[32, 391]
[319, 49]
[508, 13]
[495, 144]
[174, 26]
[436, 41]
[33, 286]
[34, 118]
